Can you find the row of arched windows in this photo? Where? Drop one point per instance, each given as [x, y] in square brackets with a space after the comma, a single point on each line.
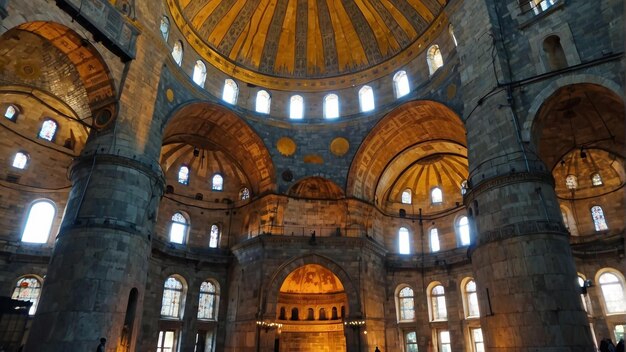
[571, 181]
[175, 292]
[47, 130]
[331, 110]
[597, 216]
[436, 196]
[462, 229]
[322, 314]
[179, 230]
[217, 181]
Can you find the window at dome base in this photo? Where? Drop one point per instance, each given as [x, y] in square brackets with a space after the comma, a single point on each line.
[183, 175]
[165, 27]
[231, 90]
[434, 59]
[20, 160]
[263, 100]
[244, 193]
[331, 106]
[366, 99]
[177, 53]
[571, 182]
[11, 113]
[48, 130]
[596, 180]
[217, 182]
[199, 73]
[296, 107]
[401, 84]
[406, 196]
[404, 244]
[436, 196]
[598, 218]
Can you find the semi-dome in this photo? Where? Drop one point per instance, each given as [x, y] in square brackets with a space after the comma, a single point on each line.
[307, 45]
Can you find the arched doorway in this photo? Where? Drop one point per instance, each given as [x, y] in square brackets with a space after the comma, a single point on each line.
[312, 304]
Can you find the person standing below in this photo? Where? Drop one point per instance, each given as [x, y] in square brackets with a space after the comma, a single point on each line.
[100, 348]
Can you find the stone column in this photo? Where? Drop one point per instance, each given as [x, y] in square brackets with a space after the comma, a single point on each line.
[100, 255]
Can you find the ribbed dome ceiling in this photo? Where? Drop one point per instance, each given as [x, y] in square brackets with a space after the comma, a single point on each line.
[265, 42]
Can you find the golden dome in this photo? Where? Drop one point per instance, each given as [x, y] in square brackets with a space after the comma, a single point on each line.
[307, 44]
[311, 278]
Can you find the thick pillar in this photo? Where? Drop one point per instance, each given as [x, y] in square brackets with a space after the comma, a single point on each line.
[96, 278]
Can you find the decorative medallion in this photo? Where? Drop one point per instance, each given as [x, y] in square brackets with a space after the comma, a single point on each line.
[286, 146]
[169, 94]
[339, 146]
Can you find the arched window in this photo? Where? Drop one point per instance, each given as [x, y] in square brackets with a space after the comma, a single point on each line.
[436, 196]
[404, 244]
[183, 175]
[464, 187]
[231, 91]
[554, 52]
[179, 228]
[217, 182]
[214, 237]
[571, 182]
[39, 222]
[331, 106]
[244, 193]
[463, 231]
[322, 315]
[470, 299]
[366, 99]
[48, 130]
[598, 218]
[401, 84]
[173, 298]
[11, 113]
[294, 314]
[434, 59]
[613, 293]
[451, 31]
[207, 307]
[263, 101]
[199, 73]
[310, 314]
[283, 314]
[581, 283]
[20, 161]
[334, 314]
[165, 27]
[296, 107]
[434, 240]
[28, 288]
[596, 180]
[406, 304]
[177, 52]
[406, 196]
[438, 303]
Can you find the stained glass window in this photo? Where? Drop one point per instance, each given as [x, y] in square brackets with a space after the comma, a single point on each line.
[596, 180]
[183, 175]
[438, 303]
[172, 298]
[39, 222]
[10, 113]
[244, 193]
[411, 341]
[165, 27]
[444, 341]
[178, 230]
[263, 100]
[20, 160]
[434, 240]
[167, 341]
[436, 196]
[571, 182]
[208, 301]
[598, 218]
[199, 73]
[366, 99]
[28, 288]
[406, 304]
[331, 106]
[296, 107]
[406, 196]
[214, 236]
[403, 241]
[434, 59]
[471, 299]
[477, 337]
[464, 231]
[217, 183]
[48, 130]
[401, 84]
[177, 52]
[613, 293]
[231, 91]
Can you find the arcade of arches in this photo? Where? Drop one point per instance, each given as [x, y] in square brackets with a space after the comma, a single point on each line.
[246, 176]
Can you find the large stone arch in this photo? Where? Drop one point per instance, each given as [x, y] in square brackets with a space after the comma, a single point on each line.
[279, 276]
[219, 128]
[553, 87]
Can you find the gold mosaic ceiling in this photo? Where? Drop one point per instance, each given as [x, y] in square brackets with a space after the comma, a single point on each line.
[308, 44]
